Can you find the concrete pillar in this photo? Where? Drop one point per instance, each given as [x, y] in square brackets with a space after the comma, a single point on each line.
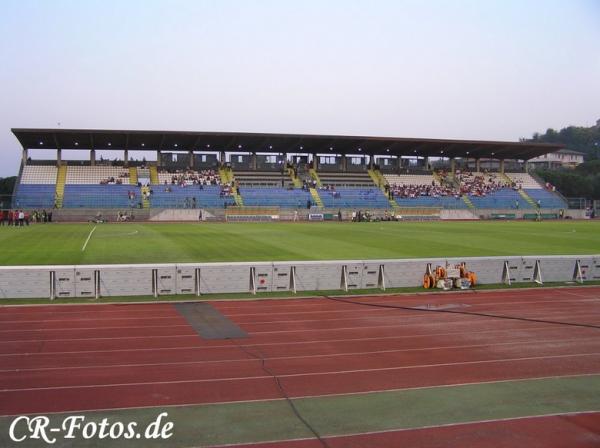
[191, 161]
[478, 165]
[222, 157]
[253, 161]
[58, 157]
[453, 165]
[502, 166]
[427, 163]
[315, 162]
[25, 155]
[126, 157]
[158, 153]
[344, 162]
[92, 157]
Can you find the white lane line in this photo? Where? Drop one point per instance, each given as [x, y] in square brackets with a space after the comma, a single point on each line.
[88, 239]
[300, 356]
[306, 374]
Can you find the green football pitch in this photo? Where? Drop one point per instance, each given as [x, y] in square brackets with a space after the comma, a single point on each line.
[45, 244]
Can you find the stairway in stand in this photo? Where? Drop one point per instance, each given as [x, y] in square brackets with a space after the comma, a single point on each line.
[316, 198]
[295, 180]
[145, 195]
[227, 177]
[379, 180]
[467, 201]
[524, 195]
[133, 175]
[61, 179]
[315, 176]
[153, 175]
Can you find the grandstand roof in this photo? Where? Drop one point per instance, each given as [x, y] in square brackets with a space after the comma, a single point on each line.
[86, 139]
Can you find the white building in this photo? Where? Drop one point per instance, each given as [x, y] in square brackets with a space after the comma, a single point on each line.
[563, 158]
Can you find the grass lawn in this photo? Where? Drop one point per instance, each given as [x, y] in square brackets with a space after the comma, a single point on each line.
[167, 243]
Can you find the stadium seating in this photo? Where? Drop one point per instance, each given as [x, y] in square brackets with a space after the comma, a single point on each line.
[39, 174]
[361, 179]
[96, 174]
[262, 179]
[35, 196]
[175, 196]
[279, 197]
[408, 179]
[525, 180]
[547, 198]
[503, 198]
[206, 177]
[360, 198]
[101, 196]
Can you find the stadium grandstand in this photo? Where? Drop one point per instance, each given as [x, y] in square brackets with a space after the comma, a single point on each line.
[319, 175]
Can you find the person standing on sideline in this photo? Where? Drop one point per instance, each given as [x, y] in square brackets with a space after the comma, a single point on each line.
[295, 215]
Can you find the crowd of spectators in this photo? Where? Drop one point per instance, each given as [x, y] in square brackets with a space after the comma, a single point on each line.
[115, 181]
[414, 191]
[481, 184]
[191, 177]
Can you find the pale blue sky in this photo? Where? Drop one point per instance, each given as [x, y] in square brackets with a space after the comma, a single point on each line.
[443, 69]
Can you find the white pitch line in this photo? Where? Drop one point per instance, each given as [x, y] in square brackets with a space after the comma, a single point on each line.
[88, 239]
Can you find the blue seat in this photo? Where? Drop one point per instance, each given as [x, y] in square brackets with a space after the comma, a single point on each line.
[275, 197]
[100, 196]
[503, 198]
[34, 196]
[181, 197]
[547, 198]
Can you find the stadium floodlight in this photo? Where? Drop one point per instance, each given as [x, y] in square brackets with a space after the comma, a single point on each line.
[331, 148]
[239, 146]
[109, 144]
[41, 143]
[175, 145]
[208, 146]
[270, 146]
[387, 149]
[76, 143]
[301, 147]
[143, 144]
[360, 149]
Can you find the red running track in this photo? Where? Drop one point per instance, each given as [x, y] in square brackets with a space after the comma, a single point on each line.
[71, 358]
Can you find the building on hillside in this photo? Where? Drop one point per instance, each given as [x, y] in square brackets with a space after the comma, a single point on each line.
[563, 158]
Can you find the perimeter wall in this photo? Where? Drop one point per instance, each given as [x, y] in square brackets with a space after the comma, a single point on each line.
[288, 277]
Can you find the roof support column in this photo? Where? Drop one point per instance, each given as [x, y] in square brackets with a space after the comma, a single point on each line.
[92, 157]
[427, 165]
[315, 162]
[158, 154]
[126, 157]
[58, 157]
[453, 166]
[191, 159]
[253, 161]
[25, 155]
[222, 157]
[344, 163]
[478, 165]
[502, 166]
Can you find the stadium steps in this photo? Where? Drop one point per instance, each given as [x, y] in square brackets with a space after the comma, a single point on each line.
[153, 175]
[295, 180]
[467, 201]
[145, 200]
[523, 194]
[315, 176]
[528, 198]
[316, 197]
[224, 175]
[61, 179]
[437, 178]
[133, 176]
[380, 181]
